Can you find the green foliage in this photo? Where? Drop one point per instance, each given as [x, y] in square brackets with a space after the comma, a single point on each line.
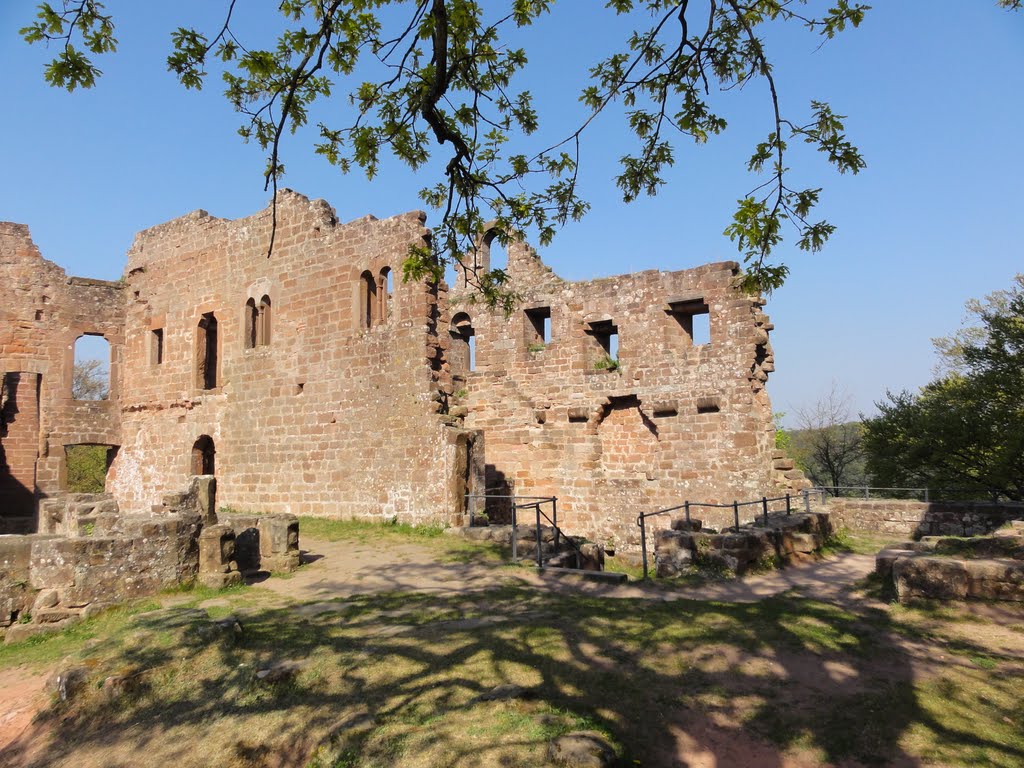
[783, 439]
[964, 430]
[427, 78]
[606, 363]
[536, 347]
[86, 468]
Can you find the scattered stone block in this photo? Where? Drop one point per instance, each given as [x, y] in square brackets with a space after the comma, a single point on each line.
[581, 749]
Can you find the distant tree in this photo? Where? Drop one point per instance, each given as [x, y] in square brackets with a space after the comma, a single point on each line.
[828, 443]
[89, 381]
[86, 468]
[965, 430]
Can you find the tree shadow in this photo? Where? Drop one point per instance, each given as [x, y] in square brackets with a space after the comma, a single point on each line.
[381, 676]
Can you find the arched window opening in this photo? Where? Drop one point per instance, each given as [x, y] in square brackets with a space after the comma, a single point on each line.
[368, 300]
[206, 352]
[251, 323]
[462, 351]
[263, 322]
[90, 377]
[384, 288]
[496, 255]
[203, 454]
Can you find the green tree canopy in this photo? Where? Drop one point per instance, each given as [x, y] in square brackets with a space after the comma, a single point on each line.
[965, 430]
[426, 77]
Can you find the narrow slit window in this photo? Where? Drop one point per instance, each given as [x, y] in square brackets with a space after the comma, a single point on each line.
[263, 322]
[368, 300]
[384, 286]
[156, 340]
[251, 321]
[207, 352]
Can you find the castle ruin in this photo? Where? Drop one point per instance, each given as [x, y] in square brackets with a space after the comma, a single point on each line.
[315, 381]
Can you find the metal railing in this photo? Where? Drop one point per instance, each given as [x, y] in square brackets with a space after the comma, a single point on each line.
[921, 494]
[536, 503]
[763, 503]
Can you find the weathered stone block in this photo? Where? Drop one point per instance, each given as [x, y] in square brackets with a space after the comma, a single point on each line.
[216, 551]
[279, 543]
[930, 577]
[682, 524]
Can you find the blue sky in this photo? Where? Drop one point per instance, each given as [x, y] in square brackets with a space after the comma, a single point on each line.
[933, 90]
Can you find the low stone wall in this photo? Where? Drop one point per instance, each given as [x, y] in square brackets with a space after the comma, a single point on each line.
[91, 557]
[785, 538]
[921, 518]
[982, 568]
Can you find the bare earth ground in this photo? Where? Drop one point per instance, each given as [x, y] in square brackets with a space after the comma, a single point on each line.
[714, 721]
[341, 569]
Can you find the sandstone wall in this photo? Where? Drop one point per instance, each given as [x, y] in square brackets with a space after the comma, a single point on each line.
[327, 413]
[922, 518]
[42, 315]
[674, 421]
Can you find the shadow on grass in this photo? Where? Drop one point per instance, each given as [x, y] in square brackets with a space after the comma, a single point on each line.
[404, 679]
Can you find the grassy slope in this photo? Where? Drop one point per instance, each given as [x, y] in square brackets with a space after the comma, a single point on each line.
[396, 680]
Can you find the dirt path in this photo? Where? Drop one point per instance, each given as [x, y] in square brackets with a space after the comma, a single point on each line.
[22, 694]
[342, 569]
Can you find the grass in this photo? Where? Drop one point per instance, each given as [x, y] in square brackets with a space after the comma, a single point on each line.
[396, 679]
[845, 541]
[402, 679]
[361, 531]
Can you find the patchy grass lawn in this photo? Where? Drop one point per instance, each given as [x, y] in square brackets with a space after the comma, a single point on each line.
[415, 680]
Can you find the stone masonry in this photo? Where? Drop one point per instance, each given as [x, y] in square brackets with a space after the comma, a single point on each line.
[315, 381]
[671, 420]
[42, 314]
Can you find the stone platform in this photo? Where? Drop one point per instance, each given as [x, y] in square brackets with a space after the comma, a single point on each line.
[952, 568]
[778, 540]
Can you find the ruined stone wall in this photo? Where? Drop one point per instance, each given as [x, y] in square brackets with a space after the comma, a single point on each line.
[900, 517]
[42, 315]
[317, 412]
[673, 421]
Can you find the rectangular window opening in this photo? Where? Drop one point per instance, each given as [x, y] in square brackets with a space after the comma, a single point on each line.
[157, 348]
[708, 405]
[538, 327]
[694, 317]
[606, 334]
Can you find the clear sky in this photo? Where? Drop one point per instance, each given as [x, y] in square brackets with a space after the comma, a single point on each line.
[934, 91]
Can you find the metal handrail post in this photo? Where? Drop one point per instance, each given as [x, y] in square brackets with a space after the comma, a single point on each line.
[515, 537]
[736, 514]
[554, 521]
[764, 508]
[686, 508]
[643, 542]
[807, 500]
[540, 555]
[789, 505]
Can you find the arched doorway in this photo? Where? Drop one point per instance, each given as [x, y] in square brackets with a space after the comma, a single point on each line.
[203, 456]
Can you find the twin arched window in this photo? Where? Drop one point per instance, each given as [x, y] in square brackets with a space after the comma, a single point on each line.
[257, 323]
[374, 297]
